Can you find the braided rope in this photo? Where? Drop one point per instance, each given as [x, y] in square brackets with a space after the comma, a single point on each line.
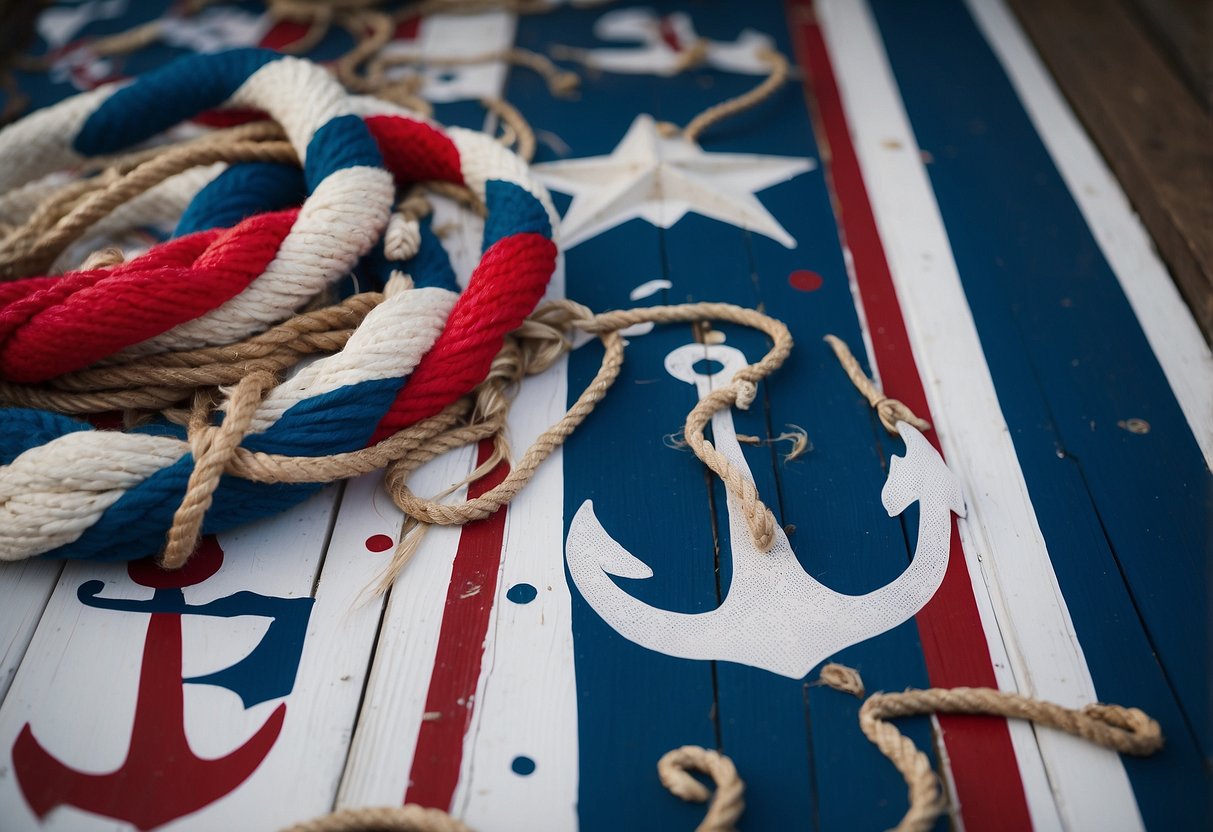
[440, 341]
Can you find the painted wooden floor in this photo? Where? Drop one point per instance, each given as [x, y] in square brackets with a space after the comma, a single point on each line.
[919, 189]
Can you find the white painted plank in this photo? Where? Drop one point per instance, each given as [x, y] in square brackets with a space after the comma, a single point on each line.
[385, 739]
[1165, 318]
[526, 698]
[77, 686]
[25, 588]
[1004, 547]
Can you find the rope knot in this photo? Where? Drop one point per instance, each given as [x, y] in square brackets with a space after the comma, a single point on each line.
[213, 447]
[892, 411]
[747, 391]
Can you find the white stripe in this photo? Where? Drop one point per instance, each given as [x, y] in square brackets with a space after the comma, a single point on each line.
[526, 697]
[1004, 547]
[1161, 311]
[298, 94]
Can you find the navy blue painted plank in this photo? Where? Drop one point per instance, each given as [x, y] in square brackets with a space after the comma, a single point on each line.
[1125, 516]
[831, 495]
[633, 704]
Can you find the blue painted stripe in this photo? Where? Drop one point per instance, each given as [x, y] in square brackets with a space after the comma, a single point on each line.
[512, 210]
[242, 191]
[805, 760]
[800, 749]
[1125, 516]
[343, 142]
[167, 96]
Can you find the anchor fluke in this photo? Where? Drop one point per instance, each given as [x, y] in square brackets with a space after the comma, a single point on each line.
[602, 549]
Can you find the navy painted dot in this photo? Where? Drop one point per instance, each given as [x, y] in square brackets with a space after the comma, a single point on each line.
[523, 765]
[707, 366]
[521, 593]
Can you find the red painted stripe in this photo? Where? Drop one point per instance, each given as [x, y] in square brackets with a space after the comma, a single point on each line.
[984, 768]
[457, 664]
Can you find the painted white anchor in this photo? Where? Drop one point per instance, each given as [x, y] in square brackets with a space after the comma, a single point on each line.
[775, 616]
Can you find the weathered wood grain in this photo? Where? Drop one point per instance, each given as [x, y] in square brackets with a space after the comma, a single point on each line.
[1147, 123]
[1184, 29]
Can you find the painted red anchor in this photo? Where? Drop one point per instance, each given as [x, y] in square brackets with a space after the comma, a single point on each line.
[161, 778]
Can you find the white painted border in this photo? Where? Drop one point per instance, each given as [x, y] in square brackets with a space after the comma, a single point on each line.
[1003, 544]
[1165, 318]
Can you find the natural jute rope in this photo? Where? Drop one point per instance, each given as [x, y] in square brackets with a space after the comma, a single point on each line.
[727, 801]
[891, 411]
[412, 447]
[155, 382]
[1126, 730]
[727, 109]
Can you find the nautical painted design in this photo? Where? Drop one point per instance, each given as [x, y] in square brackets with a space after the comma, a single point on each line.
[663, 42]
[159, 749]
[453, 36]
[661, 180]
[774, 615]
[949, 230]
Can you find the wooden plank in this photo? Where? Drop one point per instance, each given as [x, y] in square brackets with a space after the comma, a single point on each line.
[1017, 294]
[1185, 31]
[1046, 658]
[171, 680]
[1148, 125]
[785, 733]
[25, 588]
[1167, 322]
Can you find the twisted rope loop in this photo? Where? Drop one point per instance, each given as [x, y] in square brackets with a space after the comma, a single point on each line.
[531, 349]
[1126, 730]
[727, 803]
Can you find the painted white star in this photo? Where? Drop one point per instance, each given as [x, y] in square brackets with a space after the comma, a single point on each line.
[660, 179]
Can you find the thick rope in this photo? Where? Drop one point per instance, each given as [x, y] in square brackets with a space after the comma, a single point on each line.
[1126, 730]
[408, 449]
[159, 381]
[727, 803]
[890, 411]
[30, 250]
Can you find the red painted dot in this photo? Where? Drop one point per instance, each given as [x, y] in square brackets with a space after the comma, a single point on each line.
[379, 543]
[805, 280]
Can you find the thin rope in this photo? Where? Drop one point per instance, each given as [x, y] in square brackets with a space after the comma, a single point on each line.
[161, 381]
[717, 113]
[1126, 730]
[725, 806]
[544, 340]
[727, 802]
[890, 411]
[30, 248]
[212, 448]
